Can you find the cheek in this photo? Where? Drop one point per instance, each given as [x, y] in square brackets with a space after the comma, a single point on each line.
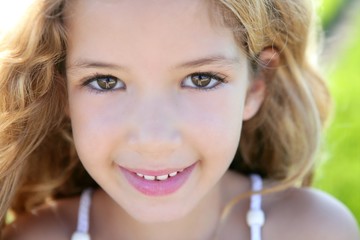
[215, 123]
[93, 125]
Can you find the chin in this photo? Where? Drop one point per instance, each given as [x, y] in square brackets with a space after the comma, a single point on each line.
[159, 214]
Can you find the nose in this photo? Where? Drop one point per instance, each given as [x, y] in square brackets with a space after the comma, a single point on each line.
[154, 127]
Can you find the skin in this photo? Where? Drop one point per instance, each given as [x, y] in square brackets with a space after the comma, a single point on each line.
[158, 119]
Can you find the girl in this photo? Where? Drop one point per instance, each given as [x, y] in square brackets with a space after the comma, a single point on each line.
[139, 106]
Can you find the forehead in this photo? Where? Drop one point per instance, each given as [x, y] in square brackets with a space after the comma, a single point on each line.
[132, 29]
[145, 11]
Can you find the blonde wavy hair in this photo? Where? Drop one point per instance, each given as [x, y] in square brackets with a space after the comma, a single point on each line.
[37, 157]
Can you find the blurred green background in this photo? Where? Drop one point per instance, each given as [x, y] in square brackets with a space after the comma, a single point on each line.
[339, 170]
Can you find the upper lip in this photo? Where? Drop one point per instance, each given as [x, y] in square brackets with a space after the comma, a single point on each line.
[160, 172]
[155, 172]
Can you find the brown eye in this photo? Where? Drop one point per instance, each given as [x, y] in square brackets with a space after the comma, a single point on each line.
[103, 83]
[106, 83]
[203, 81]
[200, 80]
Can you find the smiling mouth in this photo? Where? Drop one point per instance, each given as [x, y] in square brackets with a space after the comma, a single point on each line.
[157, 183]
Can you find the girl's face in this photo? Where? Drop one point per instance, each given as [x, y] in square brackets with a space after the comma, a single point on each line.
[156, 100]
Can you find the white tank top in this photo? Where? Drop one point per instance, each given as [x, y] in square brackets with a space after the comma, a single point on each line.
[255, 217]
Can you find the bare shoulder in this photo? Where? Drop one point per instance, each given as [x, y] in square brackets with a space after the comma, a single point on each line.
[304, 213]
[55, 221]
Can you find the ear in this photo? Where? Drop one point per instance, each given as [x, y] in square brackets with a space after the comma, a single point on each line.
[268, 61]
[254, 98]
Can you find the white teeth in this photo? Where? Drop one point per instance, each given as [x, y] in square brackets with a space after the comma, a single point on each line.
[173, 174]
[151, 178]
[159, 178]
[162, 178]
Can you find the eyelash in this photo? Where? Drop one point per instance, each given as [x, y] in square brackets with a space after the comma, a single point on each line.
[220, 78]
[97, 76]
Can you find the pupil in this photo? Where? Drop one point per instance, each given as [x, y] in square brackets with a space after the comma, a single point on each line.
[201, 81]
[106, 83]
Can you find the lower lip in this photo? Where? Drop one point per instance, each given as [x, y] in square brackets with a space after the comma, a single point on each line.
[158, 188]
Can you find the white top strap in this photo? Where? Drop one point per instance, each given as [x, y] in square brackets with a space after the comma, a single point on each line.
[82, 230]
[255, 217]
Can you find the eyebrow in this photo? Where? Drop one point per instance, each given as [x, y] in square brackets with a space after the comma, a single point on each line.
[94, 64]
[219, 60]
[210, 60]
